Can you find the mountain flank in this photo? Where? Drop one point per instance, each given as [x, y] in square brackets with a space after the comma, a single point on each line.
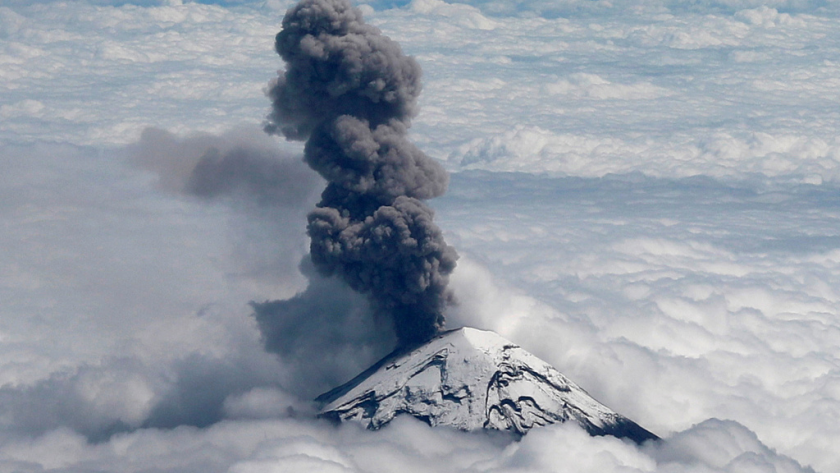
[472, 379]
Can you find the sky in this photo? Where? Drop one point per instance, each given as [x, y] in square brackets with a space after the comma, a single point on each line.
[646, 194]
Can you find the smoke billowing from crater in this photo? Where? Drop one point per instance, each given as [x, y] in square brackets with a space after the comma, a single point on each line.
[351, 92]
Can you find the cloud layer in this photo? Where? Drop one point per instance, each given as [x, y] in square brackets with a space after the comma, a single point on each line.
[725, 89]
[647, 199]
[687, 286]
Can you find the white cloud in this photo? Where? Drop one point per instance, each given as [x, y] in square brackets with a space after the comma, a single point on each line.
[705, 300]
[464, 15]
[723, 155]
[626, 89]
[30, 108]
[596, 87]
[674, 301]
[105, 73]
[709, 300]
[408, 445]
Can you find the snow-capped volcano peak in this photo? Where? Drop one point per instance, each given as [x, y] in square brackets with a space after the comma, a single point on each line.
[472, 379]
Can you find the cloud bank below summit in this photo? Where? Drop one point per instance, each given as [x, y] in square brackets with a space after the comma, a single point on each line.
[680, 264]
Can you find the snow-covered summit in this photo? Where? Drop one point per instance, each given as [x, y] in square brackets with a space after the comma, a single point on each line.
[472, 379]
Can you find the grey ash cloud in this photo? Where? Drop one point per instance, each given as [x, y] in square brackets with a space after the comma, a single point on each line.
[338, 65]
[351, 93]
[325, 334]
[241, 163]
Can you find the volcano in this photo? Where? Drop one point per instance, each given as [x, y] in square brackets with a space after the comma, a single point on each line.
[472, 379]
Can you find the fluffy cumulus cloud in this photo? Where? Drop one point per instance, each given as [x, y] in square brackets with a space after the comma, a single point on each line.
[673, 93]
[684, 287]
[644, 194]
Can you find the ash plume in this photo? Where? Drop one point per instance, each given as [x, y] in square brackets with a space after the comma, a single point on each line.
[351, 93]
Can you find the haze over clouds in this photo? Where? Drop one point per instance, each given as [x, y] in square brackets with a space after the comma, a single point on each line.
[643, 193]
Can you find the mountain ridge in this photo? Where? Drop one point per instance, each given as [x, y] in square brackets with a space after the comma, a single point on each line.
[471, 379]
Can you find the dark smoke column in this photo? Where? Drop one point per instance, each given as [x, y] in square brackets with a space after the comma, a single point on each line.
[351, 92]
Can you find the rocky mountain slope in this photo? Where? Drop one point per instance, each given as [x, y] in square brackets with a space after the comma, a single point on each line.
[472, 379]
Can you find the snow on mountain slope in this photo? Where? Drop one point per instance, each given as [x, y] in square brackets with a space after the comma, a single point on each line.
[472, 379]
